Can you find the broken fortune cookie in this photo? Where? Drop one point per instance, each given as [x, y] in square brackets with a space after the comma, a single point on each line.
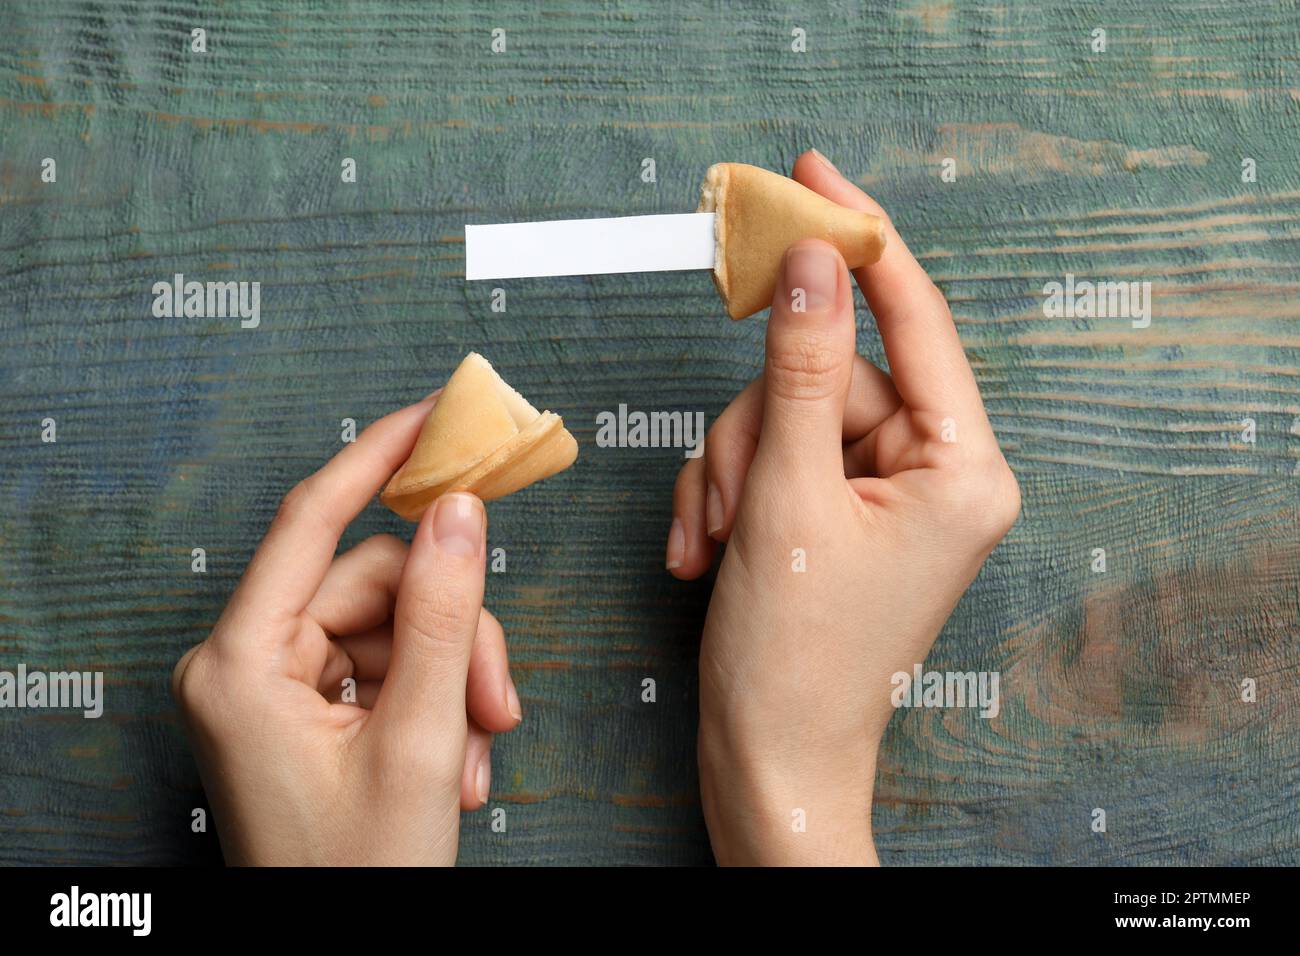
[760, 214]
[482, 437]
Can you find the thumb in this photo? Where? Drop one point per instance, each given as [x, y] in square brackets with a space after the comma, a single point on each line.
[435, 620]
[811, 340]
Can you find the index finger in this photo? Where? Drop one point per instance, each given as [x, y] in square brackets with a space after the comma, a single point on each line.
[291, 561]
[926, 358]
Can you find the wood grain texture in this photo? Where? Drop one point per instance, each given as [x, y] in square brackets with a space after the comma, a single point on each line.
[1119, 690]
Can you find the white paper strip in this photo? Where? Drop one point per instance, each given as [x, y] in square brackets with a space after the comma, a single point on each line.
[579, 247]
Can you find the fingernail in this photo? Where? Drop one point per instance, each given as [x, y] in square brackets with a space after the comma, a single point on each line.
[676, 545]
[512, 700]
[815, 269]
[458, 524]
[713, 509]
[822, 157]
[483, 777]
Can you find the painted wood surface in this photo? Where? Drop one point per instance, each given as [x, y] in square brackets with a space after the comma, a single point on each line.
[1120, 690]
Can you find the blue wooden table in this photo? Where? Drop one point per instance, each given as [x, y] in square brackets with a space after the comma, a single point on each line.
[1173, 447]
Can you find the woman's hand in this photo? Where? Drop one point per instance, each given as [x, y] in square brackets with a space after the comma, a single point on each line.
[298, 776]
[857, 506]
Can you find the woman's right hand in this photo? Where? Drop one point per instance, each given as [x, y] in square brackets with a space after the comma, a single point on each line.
[856, 507]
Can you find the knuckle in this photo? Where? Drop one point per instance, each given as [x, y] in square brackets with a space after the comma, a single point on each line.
[718, 434]
[390, 541]
[408, 764]
[182, 685]
[938, 301]
[301, 506]
[191, 680]
[440, 770]
[294, 504]
[987, 502]
[387, 546]
[1005, 498]
[802, 366]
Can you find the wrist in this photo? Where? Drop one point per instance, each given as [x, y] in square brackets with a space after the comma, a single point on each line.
[768, 806]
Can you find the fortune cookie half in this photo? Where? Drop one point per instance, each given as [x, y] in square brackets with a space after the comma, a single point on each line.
[482, 437]
[760, 214]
